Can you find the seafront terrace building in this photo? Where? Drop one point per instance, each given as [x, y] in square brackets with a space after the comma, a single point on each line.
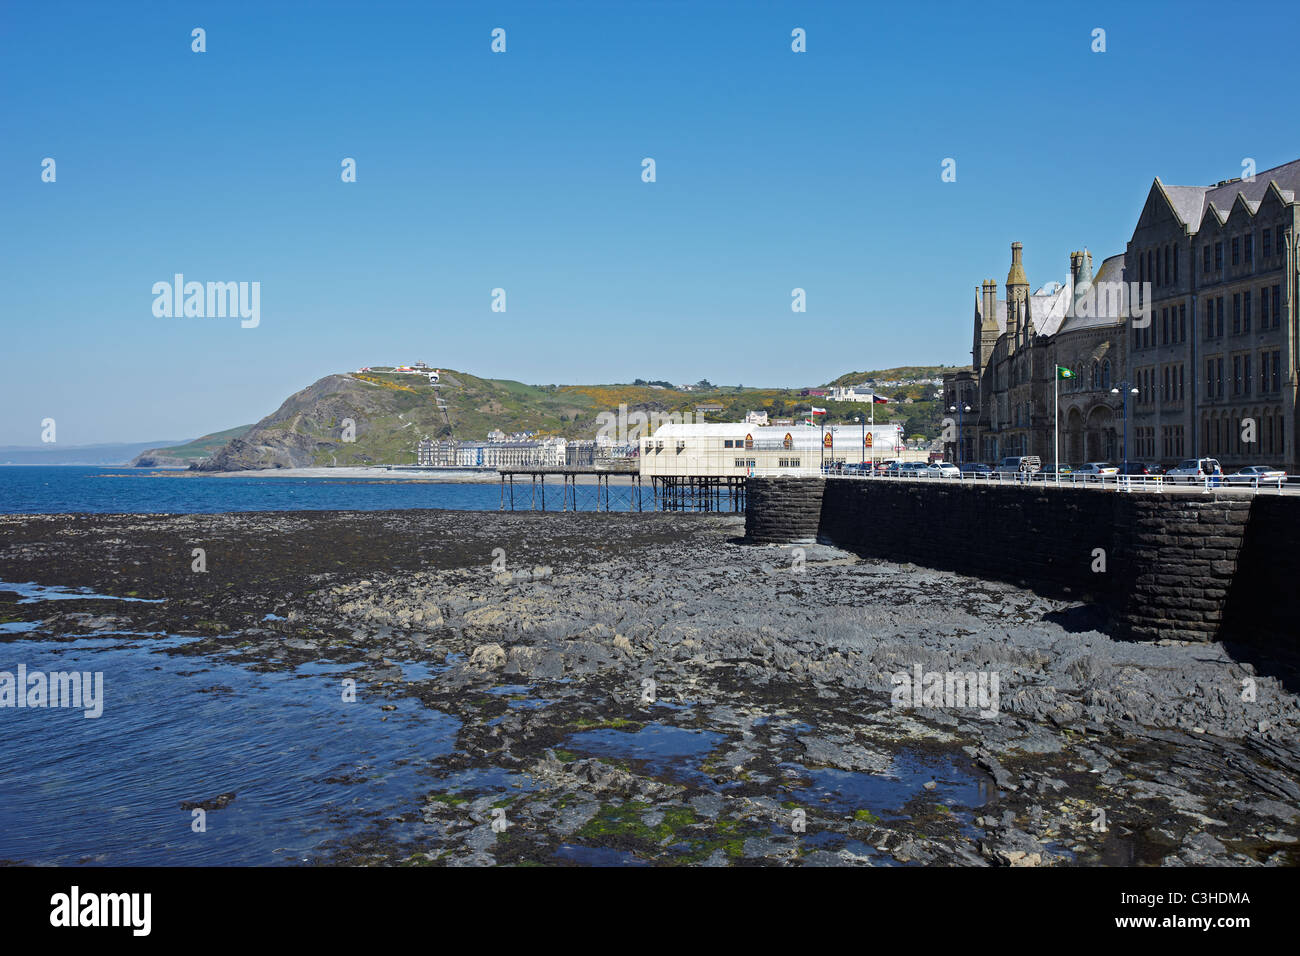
[547, 453]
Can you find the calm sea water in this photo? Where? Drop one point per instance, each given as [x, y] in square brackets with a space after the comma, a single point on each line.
[59, 490]
[307, 769]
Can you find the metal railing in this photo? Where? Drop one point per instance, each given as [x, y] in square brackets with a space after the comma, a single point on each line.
[1148, 483]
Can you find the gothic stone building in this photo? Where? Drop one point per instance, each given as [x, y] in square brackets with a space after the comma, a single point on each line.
[1018, 342]
[1212, 352]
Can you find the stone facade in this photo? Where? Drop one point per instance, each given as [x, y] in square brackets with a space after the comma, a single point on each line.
[1018, 343]
[1220, 351]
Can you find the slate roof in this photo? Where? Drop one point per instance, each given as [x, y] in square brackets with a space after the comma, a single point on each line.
[1192, 202]
[1111, 270]
[1188, 202]
[1047, 311]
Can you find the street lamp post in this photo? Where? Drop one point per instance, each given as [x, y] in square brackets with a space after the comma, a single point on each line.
[863, 460]
[1126, 389]
[960, 410]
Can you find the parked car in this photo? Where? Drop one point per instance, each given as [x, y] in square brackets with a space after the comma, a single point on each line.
[946, 469]
[915, 469]
[1051, 471]
[1096, 471]
[884, 466]
[1134, 468]
[975, 469]
[1258, 475]
[1196, 469]
[1022, 465]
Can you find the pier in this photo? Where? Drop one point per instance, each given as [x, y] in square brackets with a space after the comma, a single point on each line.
[703, 494]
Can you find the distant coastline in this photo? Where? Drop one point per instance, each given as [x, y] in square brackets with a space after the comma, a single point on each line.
[393, 473]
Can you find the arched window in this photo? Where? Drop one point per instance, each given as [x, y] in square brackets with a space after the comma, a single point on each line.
[1096, 375]
[1105, 375]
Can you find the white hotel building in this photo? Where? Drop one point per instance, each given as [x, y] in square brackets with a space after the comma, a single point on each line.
[739, 449]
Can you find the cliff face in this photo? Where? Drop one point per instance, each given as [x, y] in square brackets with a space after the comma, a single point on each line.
[156, 459]
[189, 453]
[309, 428]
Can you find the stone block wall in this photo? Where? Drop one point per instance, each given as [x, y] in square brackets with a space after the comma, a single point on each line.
[1184, 566]
[783, 510]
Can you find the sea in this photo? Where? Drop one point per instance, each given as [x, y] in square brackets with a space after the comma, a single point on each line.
[307, 773]
[64, 489]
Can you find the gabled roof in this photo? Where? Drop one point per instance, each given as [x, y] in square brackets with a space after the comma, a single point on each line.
[1188, 202]
[1191, 203]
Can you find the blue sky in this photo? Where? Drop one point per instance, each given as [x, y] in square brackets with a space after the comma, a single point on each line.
[522, 171]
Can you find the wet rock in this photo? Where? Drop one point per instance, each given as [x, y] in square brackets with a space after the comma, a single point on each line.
[211, 803]
[1012, 847]
[826, 752]
[488, 657]
[1000, 775]
[707, 805]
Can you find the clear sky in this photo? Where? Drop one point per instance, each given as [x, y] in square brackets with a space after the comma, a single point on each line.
[523, 171]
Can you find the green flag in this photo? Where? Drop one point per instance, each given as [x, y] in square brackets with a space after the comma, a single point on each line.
[1063, 372]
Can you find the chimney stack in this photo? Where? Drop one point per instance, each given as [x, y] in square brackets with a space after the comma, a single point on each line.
[990, 309]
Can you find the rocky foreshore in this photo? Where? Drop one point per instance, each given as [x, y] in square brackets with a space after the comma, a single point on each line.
[648, 689]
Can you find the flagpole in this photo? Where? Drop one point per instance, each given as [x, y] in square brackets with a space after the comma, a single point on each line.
[1056, 421]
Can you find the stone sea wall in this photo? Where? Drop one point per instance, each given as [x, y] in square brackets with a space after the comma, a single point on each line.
[1185, 566]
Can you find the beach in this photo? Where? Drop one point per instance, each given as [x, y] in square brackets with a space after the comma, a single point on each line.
[649, 689]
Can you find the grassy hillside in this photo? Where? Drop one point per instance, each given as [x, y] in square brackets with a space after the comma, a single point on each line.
[202, 447]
